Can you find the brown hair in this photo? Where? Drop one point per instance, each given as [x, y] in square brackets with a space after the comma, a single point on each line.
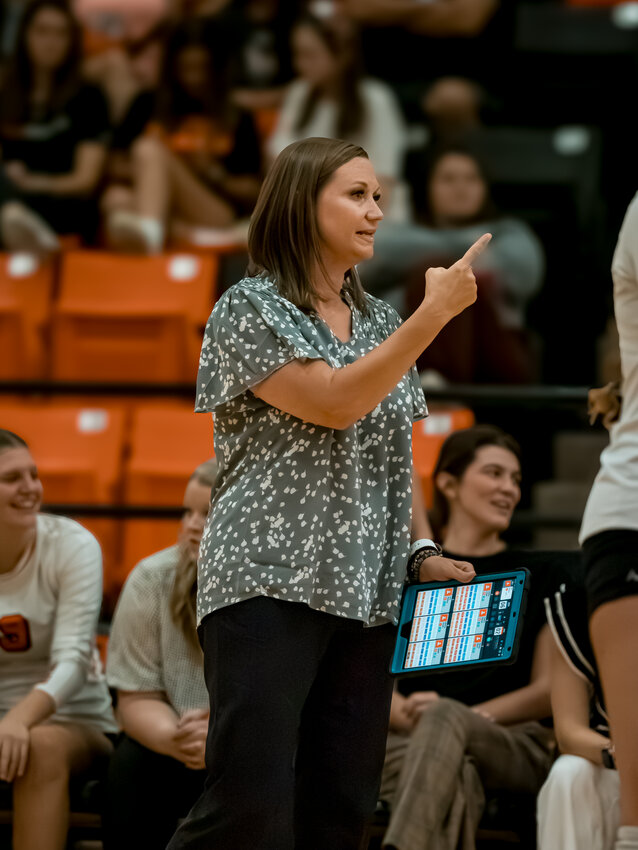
[183, 599]
[9, 440]
[457, 453]
[19, 78]
[283, 239]
[340, 38]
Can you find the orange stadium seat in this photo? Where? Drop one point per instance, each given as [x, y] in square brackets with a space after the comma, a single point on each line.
[123, 318]
[167, 444]
[78, 451]
[428, 436]
[26, 292]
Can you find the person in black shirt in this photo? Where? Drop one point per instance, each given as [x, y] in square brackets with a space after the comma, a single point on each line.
[198, 163]
[454, 737]
[54, 131]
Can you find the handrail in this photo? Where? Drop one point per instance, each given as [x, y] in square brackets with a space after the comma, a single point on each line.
[498, 394]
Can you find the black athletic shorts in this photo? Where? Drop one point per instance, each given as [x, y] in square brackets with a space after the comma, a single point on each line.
[611, 566]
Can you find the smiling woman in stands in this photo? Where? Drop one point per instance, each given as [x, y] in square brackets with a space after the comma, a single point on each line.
[54, 704]
[458, 738]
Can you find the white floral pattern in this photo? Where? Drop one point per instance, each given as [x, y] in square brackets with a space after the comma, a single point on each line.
[299, 511]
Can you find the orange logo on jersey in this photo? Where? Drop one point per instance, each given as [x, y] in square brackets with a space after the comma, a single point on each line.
[15, 635]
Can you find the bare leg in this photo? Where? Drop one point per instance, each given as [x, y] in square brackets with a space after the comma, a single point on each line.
[56, 751]
[615, 639]
[151, 178]
[164, 183]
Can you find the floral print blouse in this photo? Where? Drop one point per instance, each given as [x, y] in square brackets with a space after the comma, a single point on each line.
[299, 511]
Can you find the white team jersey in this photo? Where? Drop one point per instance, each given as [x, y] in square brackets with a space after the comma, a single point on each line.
[49, 605]
[613, 501]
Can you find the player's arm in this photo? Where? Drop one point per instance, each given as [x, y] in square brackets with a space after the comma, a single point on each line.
[570, 696]
[531, 702]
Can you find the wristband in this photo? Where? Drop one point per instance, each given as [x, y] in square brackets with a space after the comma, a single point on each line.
[422, 543]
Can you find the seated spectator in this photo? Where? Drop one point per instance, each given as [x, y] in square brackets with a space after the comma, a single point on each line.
[55, 709]
[579, 804]
[54, 131]
[456, 738]
[455, 207]
[196, 166]
[332, 98]
[156, 665]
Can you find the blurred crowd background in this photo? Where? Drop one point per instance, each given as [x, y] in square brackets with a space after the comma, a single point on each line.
[134, 136]
[139, 125]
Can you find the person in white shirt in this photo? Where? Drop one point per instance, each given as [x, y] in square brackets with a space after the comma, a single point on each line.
[55, 709]
[156, 665]
[609, 536]
[332, 98]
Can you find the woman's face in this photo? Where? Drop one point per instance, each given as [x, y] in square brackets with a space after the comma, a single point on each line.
[457, 190]
[48, 39]
[488, 491]
[196, 502]
[312, 59]
[20, 489]
[192, 69]
[348, 214]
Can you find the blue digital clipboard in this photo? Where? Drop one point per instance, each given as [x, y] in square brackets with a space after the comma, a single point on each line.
[446, 625]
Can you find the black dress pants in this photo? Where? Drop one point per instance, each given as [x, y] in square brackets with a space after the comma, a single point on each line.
[146, 795]
[299, 705]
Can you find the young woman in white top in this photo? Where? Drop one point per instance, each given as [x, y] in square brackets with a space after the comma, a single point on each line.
[331, 97]
[156, 664]
[609, 535]
[54, 704]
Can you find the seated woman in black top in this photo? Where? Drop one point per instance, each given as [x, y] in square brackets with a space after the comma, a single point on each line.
[454, 737]
[53, 134]
[197, 163]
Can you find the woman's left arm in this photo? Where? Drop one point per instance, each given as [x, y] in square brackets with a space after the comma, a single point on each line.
[88, 167]
[420, 523]
[531, 702]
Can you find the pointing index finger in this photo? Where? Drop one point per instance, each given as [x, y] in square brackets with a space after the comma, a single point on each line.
[475, 250]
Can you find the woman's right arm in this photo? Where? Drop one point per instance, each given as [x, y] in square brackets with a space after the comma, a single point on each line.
[570, 707]
[337, 398]
[149, 719]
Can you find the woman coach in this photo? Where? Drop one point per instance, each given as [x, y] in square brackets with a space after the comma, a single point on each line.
[313, 390]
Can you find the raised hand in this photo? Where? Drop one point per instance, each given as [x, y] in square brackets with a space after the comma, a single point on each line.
[449, 291]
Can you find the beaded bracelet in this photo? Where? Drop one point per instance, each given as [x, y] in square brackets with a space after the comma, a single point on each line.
[414, 564]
